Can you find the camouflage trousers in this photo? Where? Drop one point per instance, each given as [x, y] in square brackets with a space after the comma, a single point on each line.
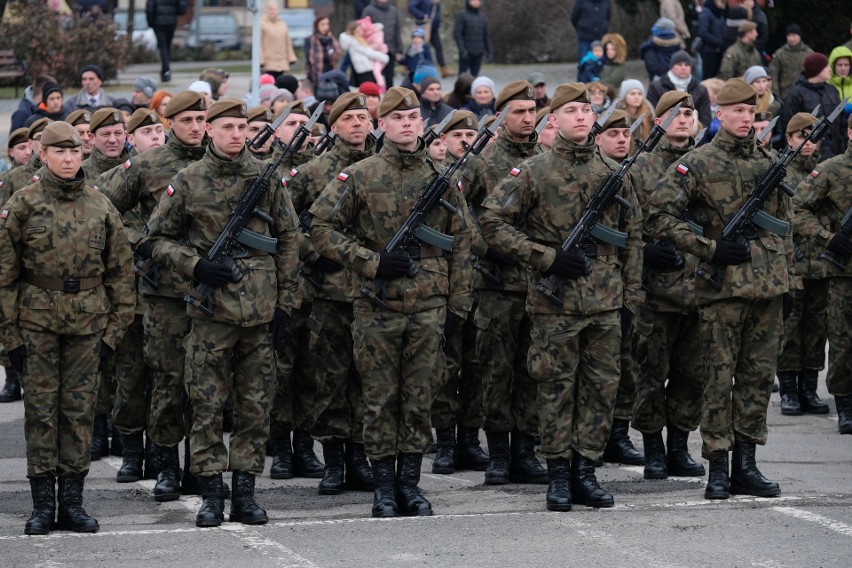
[60, 389]
[295, 391]
[458, 391]
[839, 378]
[742, 339]
[132, 378]
[806, 330]
[625, 399]
[106, 388]
[502, 345]
[219, 356]
[666, 348]
[339, 407]
[166, 327]
[398, 356]
[575, 361]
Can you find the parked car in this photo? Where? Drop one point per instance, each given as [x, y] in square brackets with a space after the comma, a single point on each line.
[220, 30]
[142, 34]
[300, 23]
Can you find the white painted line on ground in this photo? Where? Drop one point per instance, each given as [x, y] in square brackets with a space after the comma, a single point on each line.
[448, 478]
[62, 534]
[641, 471]
[733, 501]
[831, 524]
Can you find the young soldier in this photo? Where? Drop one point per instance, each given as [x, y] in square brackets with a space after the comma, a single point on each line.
[31, 171]
[80, 120]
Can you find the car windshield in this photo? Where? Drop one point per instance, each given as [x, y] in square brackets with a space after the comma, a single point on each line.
[140, 21]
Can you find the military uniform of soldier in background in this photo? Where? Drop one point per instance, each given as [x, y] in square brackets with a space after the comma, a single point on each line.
[258, 117]
[31, 171]
[81, 121]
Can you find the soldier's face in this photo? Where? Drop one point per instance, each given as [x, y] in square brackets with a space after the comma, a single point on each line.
[87, 137]
[548, 133]
[91, 83]
[614, 143]
[520, 119]
[402, 128]
[794, 39]
[147, 137]
[251, 132]
[456, 140]
[64, 162]
[736, 119]
[574, 120]
[109, 140]
[438, 149]
[758, 128]
[352, 127]
[20, 153]
[290, 125]
[681, 127]
[188, 126]
[35, 143]
[228, 135]
[793, 140]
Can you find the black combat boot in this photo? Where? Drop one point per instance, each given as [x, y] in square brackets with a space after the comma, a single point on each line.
[680, 462]
[844, 414]
[189, 482]
[525, 467]
[584, 484]
[789, 396]
[619, 448]
[445, 457]
[100, 438]
[746, 479]
[559, 487]
[384, 492]
[305, 461]
[359, 476]
[411, 501]
[150, 458]
[167, 487]
[72, 515]
[497, 472]
[808, 397]
[131, 464]
[282, 458]
[332, 479]
[718, 480]
[655, 456]
[43, 490]
[212, 511]
[469, 452]
[12, 389]
[243, 507]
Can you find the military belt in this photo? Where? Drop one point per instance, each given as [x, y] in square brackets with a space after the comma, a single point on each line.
[70, 286]
[416, 252]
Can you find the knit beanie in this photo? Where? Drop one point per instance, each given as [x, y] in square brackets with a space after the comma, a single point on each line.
[482, 81]
[754, 73]
[422, 72]
[663, 28]
[680, 57]
[814, 64]
[628, 85]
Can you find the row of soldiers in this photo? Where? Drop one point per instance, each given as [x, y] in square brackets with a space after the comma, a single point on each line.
[459, 336]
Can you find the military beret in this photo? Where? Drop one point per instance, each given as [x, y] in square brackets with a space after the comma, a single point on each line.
[515, 91]
[618, 119]
[541, 114]
[80, 116]
[348, 101]
[764, 116]
[60, 134]
[185, 100]
[736, 91]
[259, 114]
[37, 127]
[801, 121]
[142, 117]
[670, 99]
[18, 136]
[398, 98]
[462, 120]
[489, 119]
[106, 116]
[746, 27]
[298, 107]
[318, 129]
[568, 93]
[227, 108]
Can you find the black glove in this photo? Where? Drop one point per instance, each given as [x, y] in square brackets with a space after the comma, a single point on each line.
[212, 273]
[392, 265]
[840, 244]
[18, 358]
[626, 320]
[145, 250]
[327, 265]
[451, 326]
[567, 265]
[278, 327]
[492, 255]
[787, 307]
[659, 256]
[105, 354]
[728, 252]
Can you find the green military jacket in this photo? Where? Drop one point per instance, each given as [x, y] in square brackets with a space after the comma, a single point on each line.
[193, 212]
[786, 66]
[737, 59]
[361, 209]
[810, 266]
[21, 176]
[64, 230]
[97, 163]
[529, 214]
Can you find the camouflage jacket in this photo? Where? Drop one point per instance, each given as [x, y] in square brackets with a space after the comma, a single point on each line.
[194, 211]
[360, 210]
[481, 176]
[811, 266]
[529, 214]
[712, 183]
[821, 202]
[135, 188]
[21, 176]
[786, 66]
[63, 230]
[97, 163]
[303, 156]
[737, 59]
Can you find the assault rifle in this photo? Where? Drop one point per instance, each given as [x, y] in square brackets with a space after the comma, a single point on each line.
[148, 269]
[597, 127]
[845, 229]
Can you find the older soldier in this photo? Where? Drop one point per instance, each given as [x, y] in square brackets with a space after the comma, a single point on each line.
[66, 296]
[740, 322]
[574, 352]
[31, 171]
[822, 200]
[398, 347]
[80, 119]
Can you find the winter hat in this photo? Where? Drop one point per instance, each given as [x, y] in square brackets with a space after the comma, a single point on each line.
[482, 81]
[280, 95]
[663, 28]
[754, 73]
[50, 88]
[424, 71]
[145, 85]
[370, 89]
[427, 82]
[264, 93]
[418, 32]
[814, 64]
[794, 29]
[267, 79]
[628, 85]
[288, 82]
[680, 57]
[94, 69]
[595, 44]
[202, 87]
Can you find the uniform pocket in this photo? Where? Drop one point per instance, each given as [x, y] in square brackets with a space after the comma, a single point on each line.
[97, 236]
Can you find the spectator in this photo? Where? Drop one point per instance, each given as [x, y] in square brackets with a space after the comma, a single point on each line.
[849, 43]
[158, 104]
[713, 86]
[204, 88]
[289, 82]
[680, 78]
[375, 36]
[50, 105]
[264, 95]
[481, 103]
[162, 17]
[382, 12]
[30, 101]
[711, 27]
[91, 97]
[374, 97]
[632, 95]
[758, 16]
[143, 89]
[786, 64]
[360, 53]
[590, 19]
[737, 16]
[839, 61]
[276, 48]
[615, 54]
[358, 6]
[673, 10]
[598, 97]
[461, 91]
[432, 106]
[658, 49]
[218, 80]
[758, 78]
[539, 83]
[741, 55]
[590, 67]
[472, 37]
[427, 15]
[322, 52]
[417, 54]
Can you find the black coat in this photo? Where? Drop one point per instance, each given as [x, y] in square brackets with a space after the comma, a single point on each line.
[711, 28]
[471, 32]
[591, 19]
[162, 13]
[803, 97]
[700, 97]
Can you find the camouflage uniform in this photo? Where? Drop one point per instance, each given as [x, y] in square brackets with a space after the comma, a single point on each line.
[786, 66]
[21, 176]
[737, 59]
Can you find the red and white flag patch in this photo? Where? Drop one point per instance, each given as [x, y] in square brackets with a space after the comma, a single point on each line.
[34, 179]
[343, 176]
[126, 164]
[283, 182]
[682, 169]
[459, 185]
[293, 172]
[515, 172]
[170, 190]
[814, 173]
[4, 214]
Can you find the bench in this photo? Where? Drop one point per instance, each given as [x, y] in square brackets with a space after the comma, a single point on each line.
[11, 68]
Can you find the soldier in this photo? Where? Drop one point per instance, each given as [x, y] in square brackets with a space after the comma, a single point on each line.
[548, 133]
[502, 326]
[398, 349]
[574, 351]
[739, 323]
[614, 140]
[437, 149]
[31, 171]
[19, 148]
[67, 296]
[145, 130]
[821, 201]
[80, 119]
[742, 54]
[803, 346]
[670, 381]
[257, 117]
[236, 344]
[787, 61]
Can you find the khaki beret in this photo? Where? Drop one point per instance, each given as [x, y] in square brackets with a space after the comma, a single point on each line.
[80, 116]
[568, 93]
[514, 91]
[185, 100]
[489, 119]
[259, 114]
[736, 91]
[764, 116]
[670, 99]
[618, 119]
[542, 112]
[801, 121]
[227, 108]
[106, 116]
[746, 27]
[398, 98]
[142, 117]
[318, 129]
[298, 107]
[60, 134]
[348, 101]
[18, 136]
[37, 127]
[462, 120]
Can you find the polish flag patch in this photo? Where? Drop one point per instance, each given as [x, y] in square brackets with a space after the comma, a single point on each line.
[682, 169]
[515, 172]
[34, 179]
[96, 188]
[4, 214]
[814, 173]
[170, 190]
[459, 185]
[127, 164]
[343, 176]
[293, 172]
[283, 182]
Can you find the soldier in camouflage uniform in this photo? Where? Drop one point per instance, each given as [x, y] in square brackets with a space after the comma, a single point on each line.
[739, 324]
[574, 352]
[66, 296]
[670, 383]
[29, 172]
[742, 54]
[398, 348]
[787, 62]
[18, 148]
[236, 345]
[502, 325]
[822, 200]
[258, 117]
[80, 119]
[548, 133]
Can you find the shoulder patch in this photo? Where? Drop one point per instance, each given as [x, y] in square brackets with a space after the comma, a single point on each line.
[283, 182]
[126, 164]
[293, 172]
[4, 214]
[459, 185]
[814, 173]
[34, 179]
[170, 190]
[343, 176]
[96, 188]
[515, 172]
[682, 169]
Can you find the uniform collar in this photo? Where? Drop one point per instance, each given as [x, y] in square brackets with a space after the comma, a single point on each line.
[807, 164]
[567, 150]
[740, 147]
[350, 155]
[404, 160]
[103, 163]
[667, 148]
[223, 166]
[523, 150]
[181, 150]
[66, 190]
